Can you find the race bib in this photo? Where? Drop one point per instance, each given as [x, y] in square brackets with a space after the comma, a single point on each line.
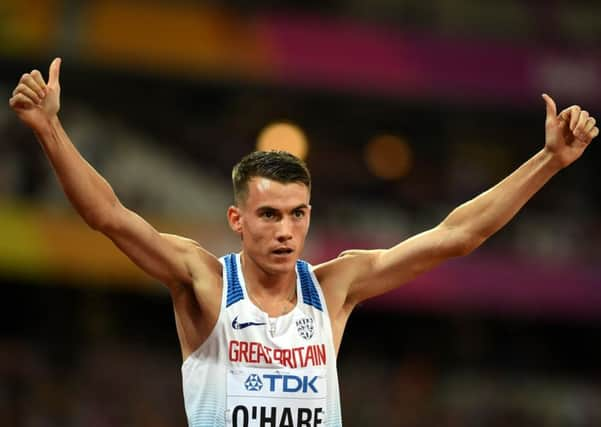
[259, 397]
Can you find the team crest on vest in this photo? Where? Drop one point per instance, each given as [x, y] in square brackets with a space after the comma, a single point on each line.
[305, 327]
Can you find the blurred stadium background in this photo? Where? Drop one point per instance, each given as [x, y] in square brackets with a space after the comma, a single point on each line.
[404, 109]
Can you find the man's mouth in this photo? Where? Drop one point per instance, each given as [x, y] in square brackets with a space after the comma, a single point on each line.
[282, 251]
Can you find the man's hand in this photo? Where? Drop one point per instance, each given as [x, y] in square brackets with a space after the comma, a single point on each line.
[34, 101]
[568, 134]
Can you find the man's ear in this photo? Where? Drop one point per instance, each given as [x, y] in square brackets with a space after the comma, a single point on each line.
[234, 218]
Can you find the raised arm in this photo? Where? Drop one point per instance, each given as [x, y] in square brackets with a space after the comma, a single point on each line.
[370, 273]
[164, 257]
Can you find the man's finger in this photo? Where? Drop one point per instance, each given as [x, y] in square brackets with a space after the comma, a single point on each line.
[54, 73]
[28, 92]
[581, 123]
[551, 107]
[30, 82]
[20, 101]
[591, 122]
[37, 76]
[574, 112]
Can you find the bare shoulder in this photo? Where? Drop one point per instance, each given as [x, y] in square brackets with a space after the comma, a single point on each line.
[338, 275]
[336, 278]
[196, 305]
[202, 265]
[345, 267]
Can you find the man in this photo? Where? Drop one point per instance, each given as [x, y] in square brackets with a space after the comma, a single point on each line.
[259, 330]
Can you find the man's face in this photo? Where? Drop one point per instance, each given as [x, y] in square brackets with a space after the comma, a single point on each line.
[273, 222]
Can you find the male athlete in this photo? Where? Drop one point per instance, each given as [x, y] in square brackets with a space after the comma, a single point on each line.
[259, 330]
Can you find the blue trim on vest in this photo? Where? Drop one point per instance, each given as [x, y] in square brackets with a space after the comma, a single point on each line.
[234, 290]
[310, 295]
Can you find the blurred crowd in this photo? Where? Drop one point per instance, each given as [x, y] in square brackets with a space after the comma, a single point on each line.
[145, 150]
[120, 384]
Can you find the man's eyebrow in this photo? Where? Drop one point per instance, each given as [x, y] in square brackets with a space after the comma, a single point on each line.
[301, 206]
[271, 208]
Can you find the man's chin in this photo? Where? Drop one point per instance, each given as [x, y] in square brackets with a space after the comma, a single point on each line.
[282, 263]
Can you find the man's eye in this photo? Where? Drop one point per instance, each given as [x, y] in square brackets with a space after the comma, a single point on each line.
[268, 214]
[299, 214]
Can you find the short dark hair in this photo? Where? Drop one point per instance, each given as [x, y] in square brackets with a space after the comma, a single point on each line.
[279, 166]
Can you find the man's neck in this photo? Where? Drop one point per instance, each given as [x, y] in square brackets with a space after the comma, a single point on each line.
[261, 283]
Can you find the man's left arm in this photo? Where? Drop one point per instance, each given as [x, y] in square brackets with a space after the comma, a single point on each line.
[373, 272]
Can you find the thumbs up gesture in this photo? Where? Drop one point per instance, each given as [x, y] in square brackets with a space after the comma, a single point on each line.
[568, 134]
[34, 101]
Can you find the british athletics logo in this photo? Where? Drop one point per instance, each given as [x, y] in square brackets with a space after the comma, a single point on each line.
[305, 327]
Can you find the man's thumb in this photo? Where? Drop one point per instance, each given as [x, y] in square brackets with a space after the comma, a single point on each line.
[551, 107]
[53, 74]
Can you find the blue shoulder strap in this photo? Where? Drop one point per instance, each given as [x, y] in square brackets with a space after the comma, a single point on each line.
[234, 290]
[310, 294]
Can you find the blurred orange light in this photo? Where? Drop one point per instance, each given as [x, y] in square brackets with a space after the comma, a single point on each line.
[388, 157]
[283, 136]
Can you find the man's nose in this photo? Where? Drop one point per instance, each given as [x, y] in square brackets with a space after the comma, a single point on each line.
[284, 232]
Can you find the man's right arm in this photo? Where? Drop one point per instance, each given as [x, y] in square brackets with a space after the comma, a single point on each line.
[165, 257]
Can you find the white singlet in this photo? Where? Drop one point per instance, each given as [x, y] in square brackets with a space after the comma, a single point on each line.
[257, 371]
